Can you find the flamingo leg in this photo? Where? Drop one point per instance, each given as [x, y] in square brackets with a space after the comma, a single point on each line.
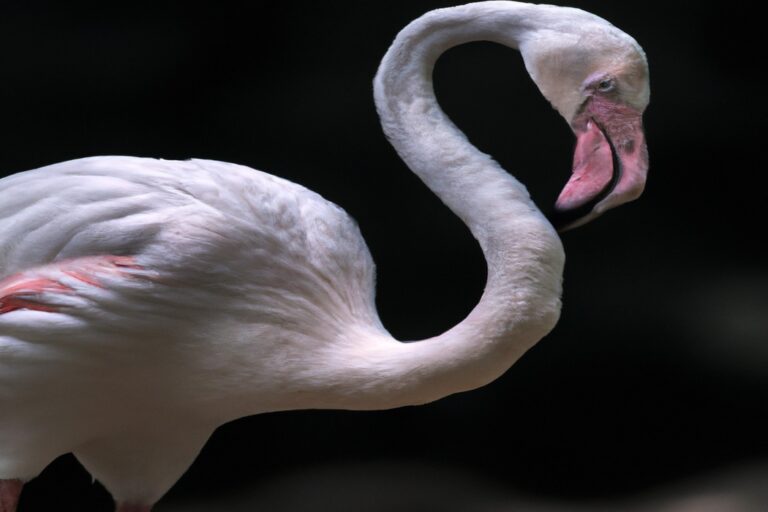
[9, 494]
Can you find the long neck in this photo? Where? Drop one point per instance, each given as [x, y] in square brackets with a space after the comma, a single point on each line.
[423, 135]
[521, 301]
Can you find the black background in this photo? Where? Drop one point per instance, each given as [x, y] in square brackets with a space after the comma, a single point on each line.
[658, 369]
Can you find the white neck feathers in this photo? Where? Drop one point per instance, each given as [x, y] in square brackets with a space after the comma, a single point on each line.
[521, 302]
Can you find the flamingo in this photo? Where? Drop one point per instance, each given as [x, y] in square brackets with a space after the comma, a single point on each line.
[145, 302]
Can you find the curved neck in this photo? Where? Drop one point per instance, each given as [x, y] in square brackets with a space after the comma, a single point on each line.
[423, 135]
[521, 301]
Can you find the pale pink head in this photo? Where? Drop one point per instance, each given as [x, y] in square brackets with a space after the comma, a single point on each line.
[596, 76]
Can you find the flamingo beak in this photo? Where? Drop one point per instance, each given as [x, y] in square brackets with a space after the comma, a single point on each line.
[610, 163]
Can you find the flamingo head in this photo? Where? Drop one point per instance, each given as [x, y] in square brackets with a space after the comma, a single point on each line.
[597, 78]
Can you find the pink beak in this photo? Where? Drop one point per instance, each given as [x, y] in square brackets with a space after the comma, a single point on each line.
[610, 163]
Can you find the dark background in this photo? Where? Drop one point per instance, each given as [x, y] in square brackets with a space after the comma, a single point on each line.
[658, 369]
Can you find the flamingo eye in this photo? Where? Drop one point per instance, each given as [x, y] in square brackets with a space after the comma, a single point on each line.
[606, 85]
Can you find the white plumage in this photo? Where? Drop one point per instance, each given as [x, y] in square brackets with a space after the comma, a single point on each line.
[205, 237]
[145, 302]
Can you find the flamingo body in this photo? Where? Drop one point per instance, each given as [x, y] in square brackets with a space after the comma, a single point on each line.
[163, 251]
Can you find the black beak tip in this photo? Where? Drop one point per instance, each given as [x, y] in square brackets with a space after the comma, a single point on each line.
[564, 220]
